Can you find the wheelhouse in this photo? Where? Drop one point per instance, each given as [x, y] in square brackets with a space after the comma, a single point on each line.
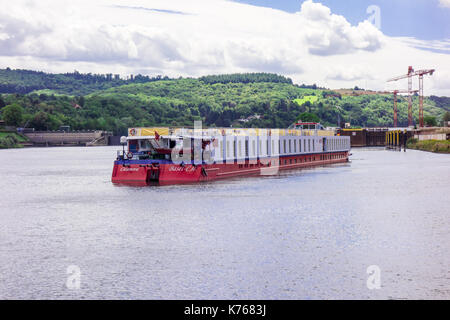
[307, 126]
[164, 147]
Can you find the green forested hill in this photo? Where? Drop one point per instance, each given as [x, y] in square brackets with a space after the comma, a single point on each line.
[26, 81]
[261, 100]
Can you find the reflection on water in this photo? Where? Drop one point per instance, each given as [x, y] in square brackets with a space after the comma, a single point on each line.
[304, 234]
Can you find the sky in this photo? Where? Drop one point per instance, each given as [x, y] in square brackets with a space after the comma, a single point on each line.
[332, 43]
[423, 19]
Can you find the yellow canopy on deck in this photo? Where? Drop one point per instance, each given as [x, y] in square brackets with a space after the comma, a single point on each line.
[165, 131]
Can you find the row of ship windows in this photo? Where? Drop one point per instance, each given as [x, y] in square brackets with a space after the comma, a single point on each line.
[298, 160]
[337, 144]
[289, 146]
[314, 158]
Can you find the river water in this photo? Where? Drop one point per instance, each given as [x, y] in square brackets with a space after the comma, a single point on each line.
[303, 234]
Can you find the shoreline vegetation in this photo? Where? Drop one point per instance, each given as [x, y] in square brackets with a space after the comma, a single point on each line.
[436, 146]
[11, 140]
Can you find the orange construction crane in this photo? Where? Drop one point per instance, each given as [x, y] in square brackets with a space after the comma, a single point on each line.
[412, 73]
[395, 92]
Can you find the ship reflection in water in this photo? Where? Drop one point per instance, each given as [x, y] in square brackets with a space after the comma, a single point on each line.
[302, 234]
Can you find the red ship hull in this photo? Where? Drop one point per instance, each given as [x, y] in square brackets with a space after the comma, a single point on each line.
[143, 172]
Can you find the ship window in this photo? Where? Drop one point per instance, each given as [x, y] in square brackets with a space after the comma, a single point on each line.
[279, 146]
[295, 145]
[267, 146]
[314, 145]
[234, 149]
[290, 150]
[246, 148]
[146, 145]
[228, 149]
[240, 148]
[304, 145]
[273, 147]
[309, 145]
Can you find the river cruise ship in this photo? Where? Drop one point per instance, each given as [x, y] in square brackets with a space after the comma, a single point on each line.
[183, 155]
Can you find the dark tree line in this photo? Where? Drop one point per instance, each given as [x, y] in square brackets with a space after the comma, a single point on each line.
[245, 78]
[75, 83]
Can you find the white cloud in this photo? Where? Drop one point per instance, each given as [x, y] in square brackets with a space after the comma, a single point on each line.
[430, 45]
[328, 34]
[351, 73]
[199, 37]
[444, 3]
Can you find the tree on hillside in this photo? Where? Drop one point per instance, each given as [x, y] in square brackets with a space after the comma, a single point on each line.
[430, 121]
[308, 117]
[12, 114]
[40, 121]
[446, 118]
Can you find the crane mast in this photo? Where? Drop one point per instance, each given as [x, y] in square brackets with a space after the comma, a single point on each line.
[395, 92]
[412, 73]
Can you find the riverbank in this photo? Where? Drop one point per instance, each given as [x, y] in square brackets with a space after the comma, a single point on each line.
[437, 146]
[10, 140]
